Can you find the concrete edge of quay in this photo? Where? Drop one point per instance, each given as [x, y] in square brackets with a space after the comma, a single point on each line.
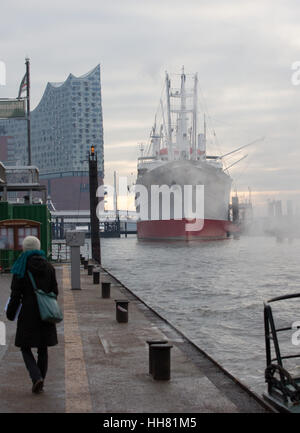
[213, 369]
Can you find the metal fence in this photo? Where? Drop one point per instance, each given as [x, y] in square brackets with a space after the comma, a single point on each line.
[62, 253]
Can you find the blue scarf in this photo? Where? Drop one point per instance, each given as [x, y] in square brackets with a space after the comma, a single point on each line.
[19, 266]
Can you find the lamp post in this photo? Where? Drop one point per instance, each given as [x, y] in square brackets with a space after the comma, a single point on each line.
[95, 233]
[27, 63]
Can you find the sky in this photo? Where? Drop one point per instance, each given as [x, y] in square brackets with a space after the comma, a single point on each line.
[243, 52]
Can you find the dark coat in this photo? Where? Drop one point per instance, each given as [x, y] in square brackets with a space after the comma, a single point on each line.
[31, 330]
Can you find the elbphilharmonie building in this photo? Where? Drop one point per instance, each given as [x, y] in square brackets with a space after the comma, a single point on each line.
[64, 125]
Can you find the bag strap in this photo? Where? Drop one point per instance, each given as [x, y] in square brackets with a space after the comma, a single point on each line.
[34, 284]
[32, 281]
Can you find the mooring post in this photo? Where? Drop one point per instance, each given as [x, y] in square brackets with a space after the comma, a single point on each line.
[105, 288]
[75, 239]
[122, 310]
[90, 269]
[96, 276]
[161, 361]
[150, 343]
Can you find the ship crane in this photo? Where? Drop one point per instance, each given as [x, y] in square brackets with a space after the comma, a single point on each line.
[219, 158]
[235, 150]
[242, 147]
[236, 162]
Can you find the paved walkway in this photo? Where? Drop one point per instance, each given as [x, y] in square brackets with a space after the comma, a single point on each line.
[101, 365]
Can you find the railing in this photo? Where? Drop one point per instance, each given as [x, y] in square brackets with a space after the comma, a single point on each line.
[61, 251]
[280, 382]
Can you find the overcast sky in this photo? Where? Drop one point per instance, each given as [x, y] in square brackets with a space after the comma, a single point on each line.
[243, 52]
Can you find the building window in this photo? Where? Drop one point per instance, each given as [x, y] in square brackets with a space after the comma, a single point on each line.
[6, 238]
[25, 231]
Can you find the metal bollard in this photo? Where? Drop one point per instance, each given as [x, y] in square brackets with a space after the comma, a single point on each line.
[122, 310]
[90, 269]
[85, 264]
[150, 343]
[96, 276]
[161, 354]
[105, 288]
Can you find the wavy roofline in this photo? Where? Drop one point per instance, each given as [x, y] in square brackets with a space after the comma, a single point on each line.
[58, 85]
[86, 75]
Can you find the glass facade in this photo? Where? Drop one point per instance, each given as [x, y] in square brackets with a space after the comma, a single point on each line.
[64, 125]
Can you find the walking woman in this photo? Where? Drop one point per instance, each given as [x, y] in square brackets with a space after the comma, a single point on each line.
[32, 332]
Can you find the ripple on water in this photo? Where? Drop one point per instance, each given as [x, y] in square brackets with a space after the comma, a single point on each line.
[214, 292]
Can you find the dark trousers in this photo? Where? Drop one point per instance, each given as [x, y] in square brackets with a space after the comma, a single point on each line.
[37, 369]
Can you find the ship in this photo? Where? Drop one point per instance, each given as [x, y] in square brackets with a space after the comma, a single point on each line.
[176, 157]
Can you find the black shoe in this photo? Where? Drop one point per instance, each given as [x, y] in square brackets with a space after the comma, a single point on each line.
[37, 387]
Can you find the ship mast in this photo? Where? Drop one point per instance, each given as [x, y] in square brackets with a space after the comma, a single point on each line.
[169, 116]
[182, 124]
[185, 143]
[204, 137]
[195, 112]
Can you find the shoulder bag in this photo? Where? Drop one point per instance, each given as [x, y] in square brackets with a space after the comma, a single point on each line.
[48, 305]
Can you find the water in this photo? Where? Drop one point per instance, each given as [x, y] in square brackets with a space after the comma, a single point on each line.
[214, 292]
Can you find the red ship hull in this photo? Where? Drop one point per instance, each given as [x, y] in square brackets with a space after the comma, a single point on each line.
[177, 230]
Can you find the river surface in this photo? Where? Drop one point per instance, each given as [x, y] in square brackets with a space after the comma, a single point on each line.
[214, 292]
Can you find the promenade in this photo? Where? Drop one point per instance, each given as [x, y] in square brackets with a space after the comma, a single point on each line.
[101, 366]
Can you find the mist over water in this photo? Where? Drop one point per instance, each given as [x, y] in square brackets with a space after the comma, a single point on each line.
[214, 292]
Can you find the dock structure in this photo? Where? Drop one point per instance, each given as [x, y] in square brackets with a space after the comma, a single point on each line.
[102, 366]
[21, 179]
[72, 220]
